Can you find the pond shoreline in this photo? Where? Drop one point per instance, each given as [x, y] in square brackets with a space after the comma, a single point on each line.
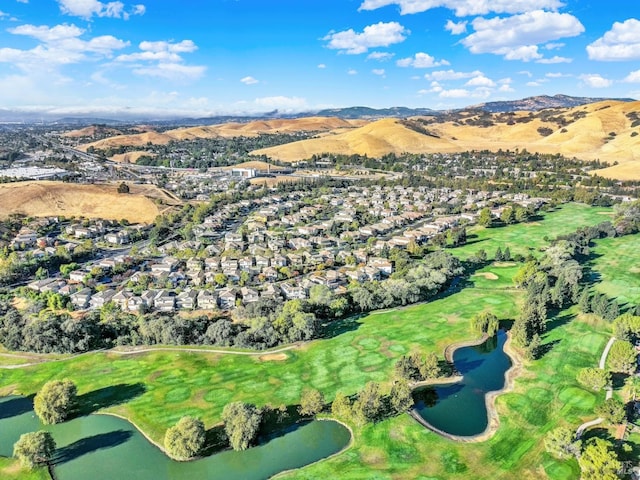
[493, 421]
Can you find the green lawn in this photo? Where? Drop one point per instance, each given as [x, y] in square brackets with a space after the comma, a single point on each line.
[201, 384]
[527, 238]
[617, 260]
[546, 395]
[10, 469]
[155, 389]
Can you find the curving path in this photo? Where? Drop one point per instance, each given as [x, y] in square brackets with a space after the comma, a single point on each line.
[603, 361]
[136, 351]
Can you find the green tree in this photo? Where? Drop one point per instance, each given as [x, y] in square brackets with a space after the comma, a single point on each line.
[561, 443]
[599, 461]
[485, 218]
[55, 401]
[34, 448]
[311, 402]
[622, 357]
[612, 410]
[508, 216]
[241, 423]
[341, 406]
[485, 323]
[367, 405]
[400, 396]
[594, 378]
[632, 387]
[429, 367]
[185, 439]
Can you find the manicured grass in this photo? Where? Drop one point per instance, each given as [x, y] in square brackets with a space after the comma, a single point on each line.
[546, 395]
[155, 389]
[617, 261]
[527, 238]
[11, 469]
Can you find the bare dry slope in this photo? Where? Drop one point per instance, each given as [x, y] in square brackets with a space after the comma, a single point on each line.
[608, 131]
[374, 139]
[308, 124]
[41, 199]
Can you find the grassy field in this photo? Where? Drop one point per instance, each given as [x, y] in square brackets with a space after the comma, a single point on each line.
[617, 261]
[155, 389]
[527, 238]
[545, 396]
[10, 469]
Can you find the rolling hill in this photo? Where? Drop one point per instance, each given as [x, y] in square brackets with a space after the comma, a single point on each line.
[43, 199]
[608, 131]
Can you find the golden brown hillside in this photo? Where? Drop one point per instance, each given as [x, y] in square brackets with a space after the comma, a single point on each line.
[600, 130]
[42, 199]
[131, 157]
[308, 124]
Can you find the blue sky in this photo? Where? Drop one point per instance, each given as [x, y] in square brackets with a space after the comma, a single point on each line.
[204, 57]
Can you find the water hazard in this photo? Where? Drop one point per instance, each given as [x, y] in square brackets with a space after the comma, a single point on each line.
[460, 408]
[102, 447]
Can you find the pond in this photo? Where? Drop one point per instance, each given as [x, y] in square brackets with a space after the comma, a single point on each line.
[103, 447]
[460, 408]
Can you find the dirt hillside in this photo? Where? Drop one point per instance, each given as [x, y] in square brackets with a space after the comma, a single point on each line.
[42, 199]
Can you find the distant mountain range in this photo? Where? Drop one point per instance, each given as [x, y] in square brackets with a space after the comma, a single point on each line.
[358, 112]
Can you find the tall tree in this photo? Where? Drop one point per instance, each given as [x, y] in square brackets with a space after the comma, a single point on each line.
[55, 401]
[185, 439]
[241, 423]
[34, 448]
[311, 402]
[599, 461]
[561, 443]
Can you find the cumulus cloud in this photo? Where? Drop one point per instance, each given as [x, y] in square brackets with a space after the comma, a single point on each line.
[59, 45]
[249, 80]
[282, 103]
[517, 37]
[443, 75]
[172, 71]
[380, 56]
[378, 35]
[455, 93]
[378, 71]
[595, 80]
[421, 60]
[554, 59]
[456, 28]
[464, 8]
[622, 42]
[352, 72]
[163, 59]
[322, 65]
[480, 81]
[633, 77]
[88, 8]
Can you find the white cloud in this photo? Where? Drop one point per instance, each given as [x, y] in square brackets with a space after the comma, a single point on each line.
[378, 35]
[421, 60]
[172, 71]
[533, 84]
[88, 8]
[249, 80]
[286, 104]
[525, 72]
[480, 81]
[59, 45]
[442, 75]
[456, 28]
[622, 42]
[464, 8]
[380, 56]
[455, 93]
[506, 88]
[554, 59]
[378, 71]
[322, 65]
[3, 14]
[595, 80]
[553, 46]
[557, 75]
[517, 37]
[162, 59]
[633, 77]
[352, 72]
